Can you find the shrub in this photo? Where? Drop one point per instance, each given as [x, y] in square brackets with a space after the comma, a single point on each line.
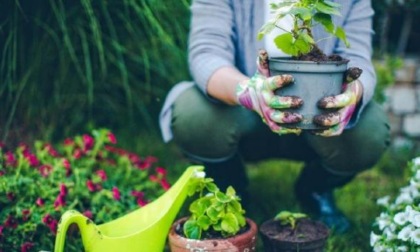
[87, 173]
[397, 228]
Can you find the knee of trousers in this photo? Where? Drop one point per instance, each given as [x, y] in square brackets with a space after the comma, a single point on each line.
[204, 130]
[359, 148]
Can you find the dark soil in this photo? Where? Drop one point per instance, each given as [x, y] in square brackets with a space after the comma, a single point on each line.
[318, 55]
[305, 231]
[209, 234]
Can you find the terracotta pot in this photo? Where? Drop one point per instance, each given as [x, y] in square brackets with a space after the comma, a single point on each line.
[312, 81]
[242, 242]
[309, 236]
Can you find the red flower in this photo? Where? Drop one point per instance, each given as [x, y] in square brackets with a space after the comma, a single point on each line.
[90, 185]
[116, 193]
[11, 222]
[40, 202]
[45, 170]
[111, 138]
[141, 202]
[88, 214]
[161, 171]
[53, 226]
[67, 166]
[87, 142]
[139, 197]
[11, 196]
[68, 142]
[102, 175]
[77, 153]
[32, 159]
[153, 178]
[26, 247]
[146, 163]
[47, 219]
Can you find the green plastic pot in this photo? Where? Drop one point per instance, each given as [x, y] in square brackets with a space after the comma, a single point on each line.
[312, 81]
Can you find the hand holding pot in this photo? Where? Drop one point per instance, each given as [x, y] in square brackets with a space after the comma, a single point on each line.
[346, 102]
[257, 94]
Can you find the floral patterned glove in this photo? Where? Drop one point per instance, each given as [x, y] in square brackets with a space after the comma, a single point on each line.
[346, 102]
[257, 94]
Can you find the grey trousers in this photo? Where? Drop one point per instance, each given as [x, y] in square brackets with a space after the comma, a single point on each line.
[213, 132]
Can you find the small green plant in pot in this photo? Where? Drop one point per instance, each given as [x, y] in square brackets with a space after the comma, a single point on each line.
[217, 221]
[316, 75]
[289, 231]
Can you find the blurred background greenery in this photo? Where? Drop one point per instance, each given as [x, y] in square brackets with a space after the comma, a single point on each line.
[67, 67]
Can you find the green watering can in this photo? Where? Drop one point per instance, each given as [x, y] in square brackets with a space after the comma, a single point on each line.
[143, 230]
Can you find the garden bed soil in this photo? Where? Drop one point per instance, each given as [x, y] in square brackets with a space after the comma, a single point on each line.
[309, 235]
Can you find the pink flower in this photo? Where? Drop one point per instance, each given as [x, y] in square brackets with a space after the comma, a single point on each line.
[47, 219]
[51, 150]
[161, 171]
[139, 197]
[141, 202]
[40, 202]
[87, 142]
[45, 170]
[53, 226]
[26, 247]
[59, 201]
[10, 158]
[88, 214]
[146, 163]
[25, 214]
[153, 178]
[68, 142]
[90, 185]
[32, 159]
[67, 166]
[63, 190]
[77, 153]
[165, 184]
[11, 222]
[116, 193]
[102, 175]
[111, 138]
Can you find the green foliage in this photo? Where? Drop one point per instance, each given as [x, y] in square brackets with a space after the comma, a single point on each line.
[385, 73]
[87, 173]
[306, 14]
[289, 218]
[213, 210]
[109, 63]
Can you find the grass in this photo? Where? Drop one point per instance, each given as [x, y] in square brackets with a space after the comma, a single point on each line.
[271, 189]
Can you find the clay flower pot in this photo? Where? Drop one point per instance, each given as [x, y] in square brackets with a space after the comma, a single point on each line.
[312, 81]
[245, 241]
[309, 236]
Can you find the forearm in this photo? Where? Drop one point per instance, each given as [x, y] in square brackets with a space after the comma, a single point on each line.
[222, 84]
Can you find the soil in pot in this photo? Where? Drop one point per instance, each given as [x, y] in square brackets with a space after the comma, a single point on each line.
[245, 240]
[308, 236]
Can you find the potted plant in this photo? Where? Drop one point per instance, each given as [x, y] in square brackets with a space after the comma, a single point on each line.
[290, 232]
[315, 74]
[216, 222]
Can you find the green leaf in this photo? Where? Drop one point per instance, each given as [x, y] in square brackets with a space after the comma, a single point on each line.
[326, 21]
[192, 230]
[285, 43]
[327, 9]
[265, 29]
[230, 223]
[221, 197]
[301, 46]
[341, 34]
[332, 4]
[211, 187]
[302, 12]
[204, 222]
[283, 215]
[307, 38]
[197, 207]
[212, 213]
[230, 192]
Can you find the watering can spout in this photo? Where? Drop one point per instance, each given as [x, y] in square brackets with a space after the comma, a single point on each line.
[144, 229]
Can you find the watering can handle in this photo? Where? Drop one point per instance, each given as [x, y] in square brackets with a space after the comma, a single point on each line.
[86, 227]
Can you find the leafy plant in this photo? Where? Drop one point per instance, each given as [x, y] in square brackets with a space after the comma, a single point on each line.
[87, 173]
[289, 218]
[385, 71]
[397, 228]
[306, 14]
[213, 211]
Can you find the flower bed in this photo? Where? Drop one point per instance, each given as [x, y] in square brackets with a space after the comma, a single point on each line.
[87, 173]
[397, 228]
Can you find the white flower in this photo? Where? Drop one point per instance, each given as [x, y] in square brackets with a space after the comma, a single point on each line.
[404, 198]
[415, 219]
[405, 233]
[415, 236]
[384, 201]
[389, 234]
[199, 174]
[402, 249]
[401, 218]
[378, 248]
[373, 238]
[383, 221]
[416, 161]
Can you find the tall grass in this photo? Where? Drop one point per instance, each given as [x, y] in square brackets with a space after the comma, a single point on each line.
[68, 64]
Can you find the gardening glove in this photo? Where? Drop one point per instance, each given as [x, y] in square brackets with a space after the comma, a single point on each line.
[346, 102]
[257, 94]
